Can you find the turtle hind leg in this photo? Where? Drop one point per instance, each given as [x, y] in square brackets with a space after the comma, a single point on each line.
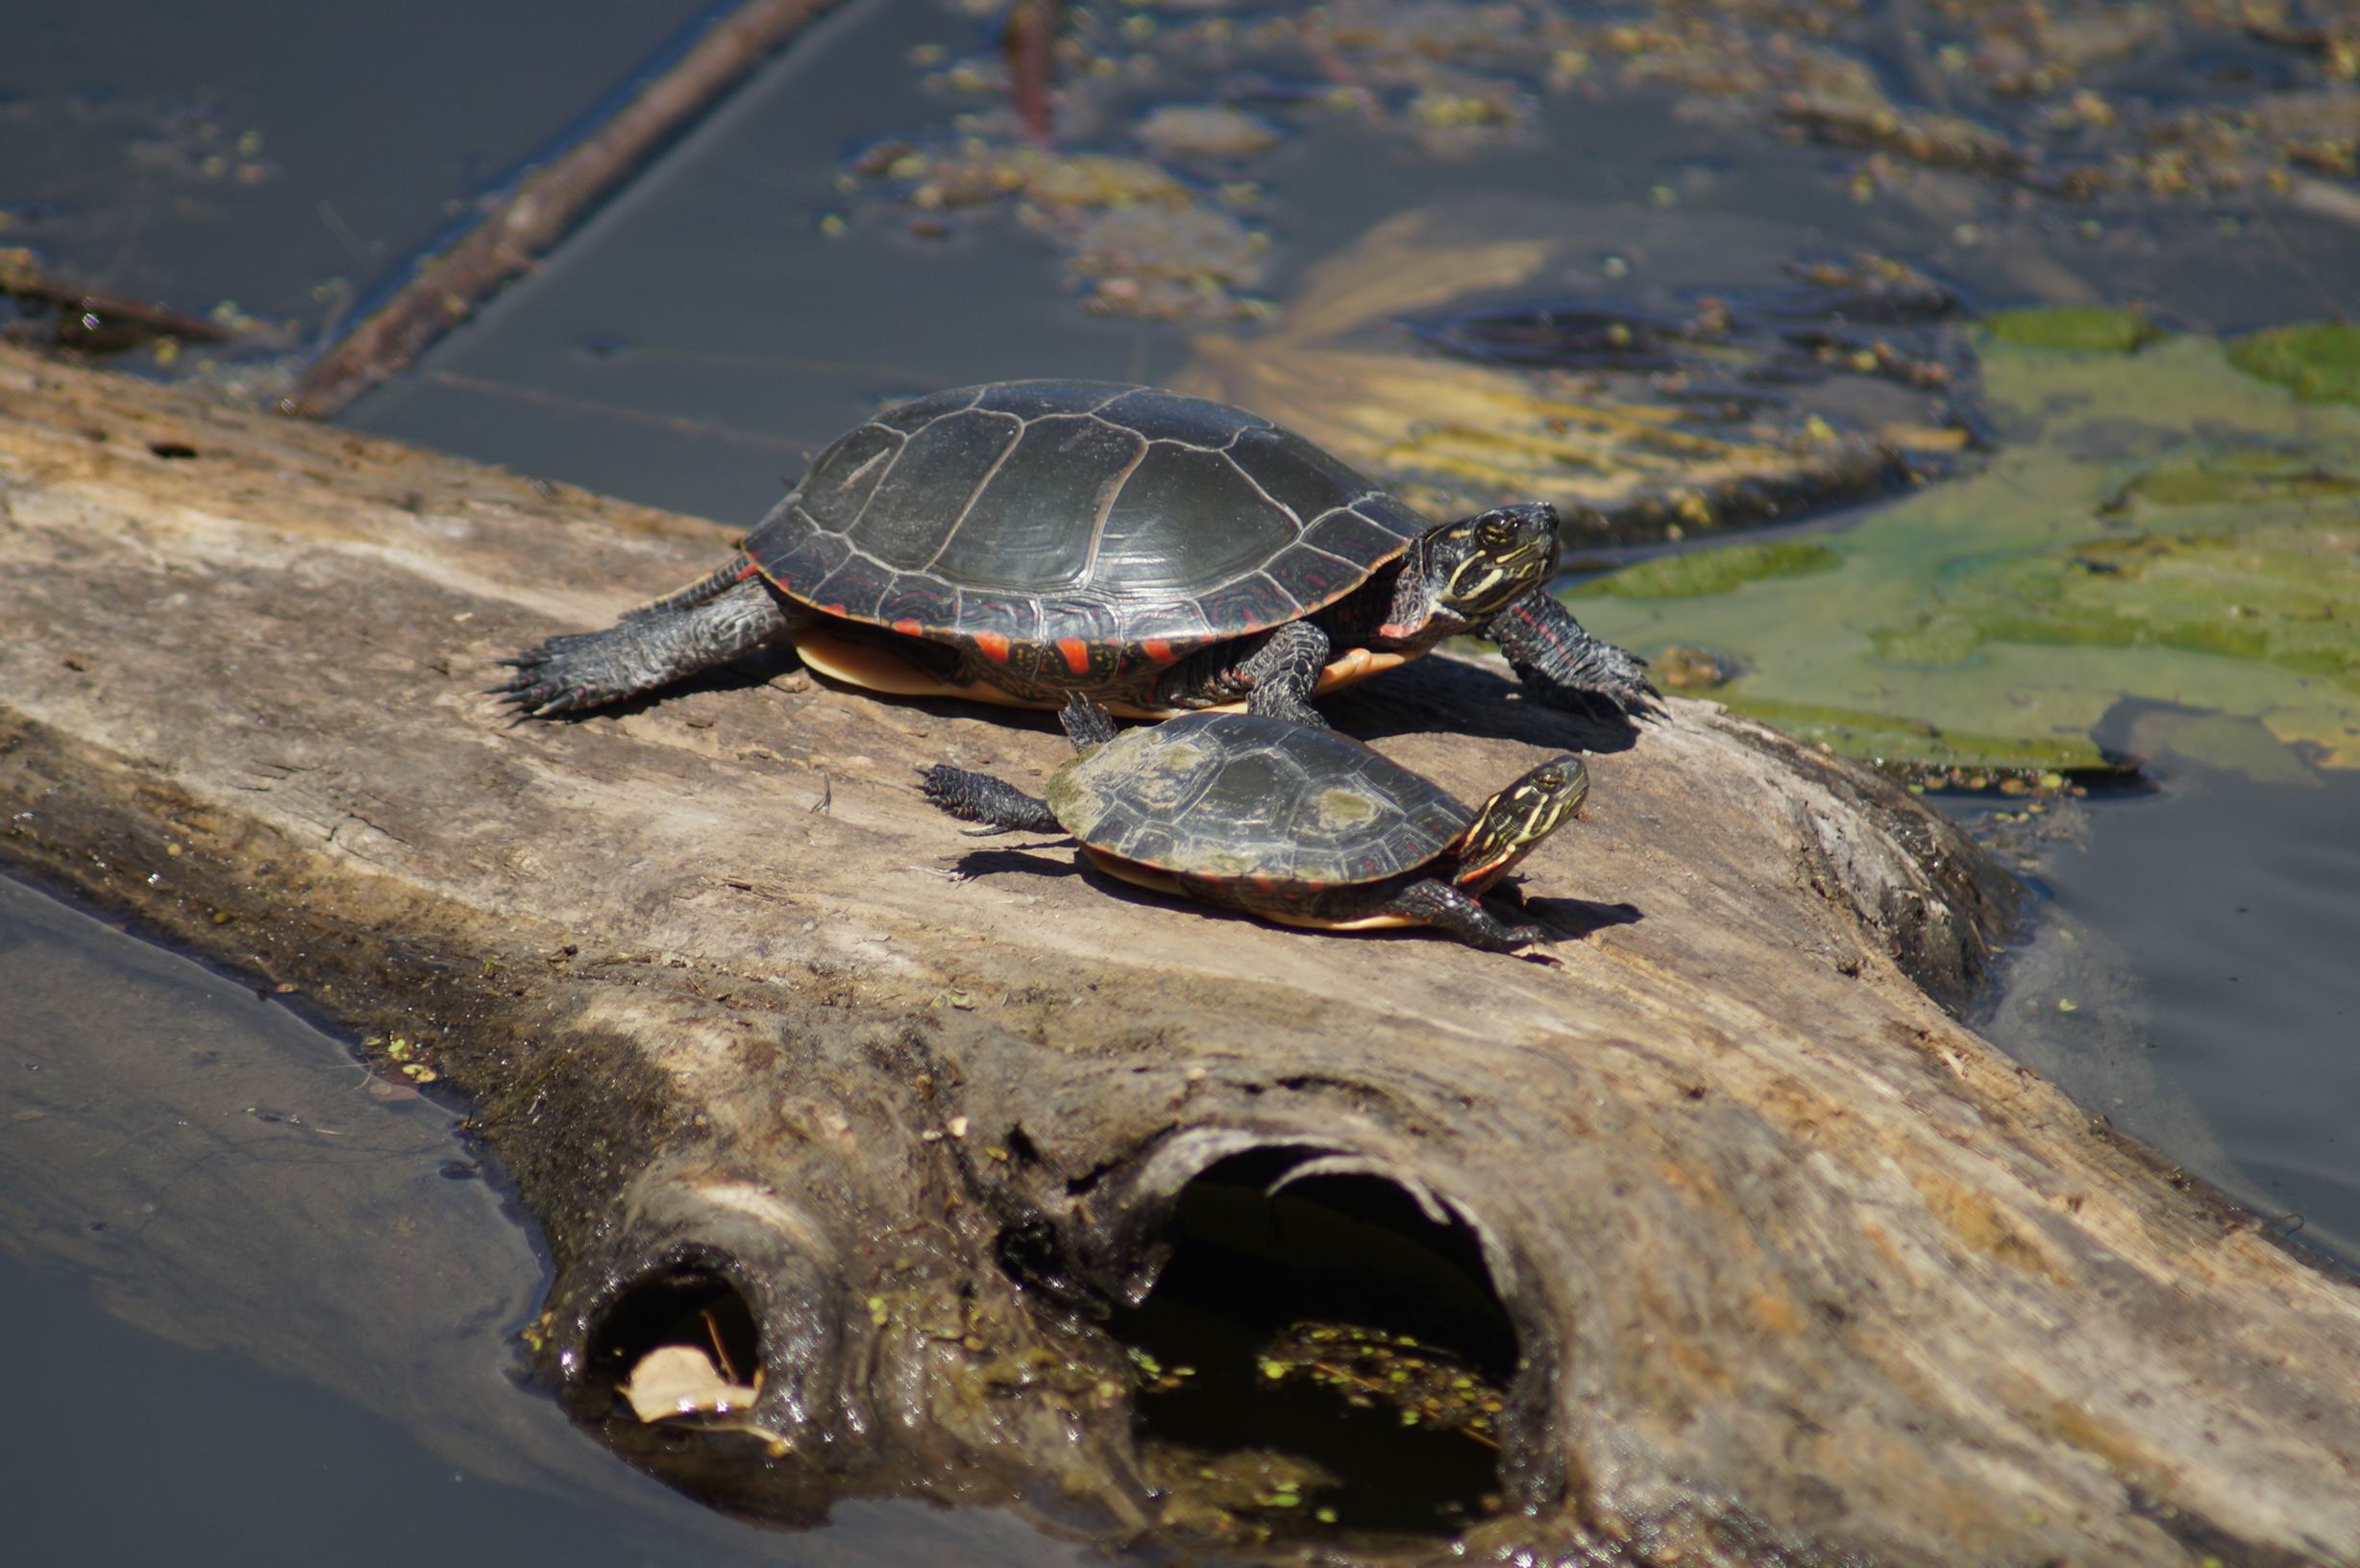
[979, 798]
[1565, 665]
[647, 648]
[1446, 908]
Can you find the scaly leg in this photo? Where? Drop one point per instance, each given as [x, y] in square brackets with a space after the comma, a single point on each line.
[979, 798]
[1565, 666]
[1275, 675]
[1440, 905]
[1087, 722]
[1283, 671]
[585, 669]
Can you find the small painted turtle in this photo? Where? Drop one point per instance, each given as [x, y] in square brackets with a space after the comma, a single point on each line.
[1288, 822]
[1026, 540]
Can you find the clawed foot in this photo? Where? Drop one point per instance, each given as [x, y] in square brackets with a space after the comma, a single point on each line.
[1622, 680]
[560, 676]
[979, 798]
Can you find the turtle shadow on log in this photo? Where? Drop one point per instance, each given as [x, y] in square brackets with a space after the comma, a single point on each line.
[1568, 919]
[1054, 857]
[1576, 918]
[1456, 696]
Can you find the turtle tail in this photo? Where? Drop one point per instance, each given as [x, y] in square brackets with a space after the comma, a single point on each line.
[737, 570]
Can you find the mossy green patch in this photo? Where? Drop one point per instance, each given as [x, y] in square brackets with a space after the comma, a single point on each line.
[2169, 532]
[2078, 328]
[1882, 737]
[2238, 477]
[1714, 571]
[2318, 361]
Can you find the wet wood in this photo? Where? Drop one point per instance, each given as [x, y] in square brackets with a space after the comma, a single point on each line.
[1800, 1268]
[545, 206]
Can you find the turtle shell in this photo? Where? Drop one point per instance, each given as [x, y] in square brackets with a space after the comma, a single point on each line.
[1076, 532]
[1238, 797]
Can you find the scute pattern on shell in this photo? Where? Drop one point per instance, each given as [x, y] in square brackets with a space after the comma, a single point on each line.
[1233, 796]
[1030, 519]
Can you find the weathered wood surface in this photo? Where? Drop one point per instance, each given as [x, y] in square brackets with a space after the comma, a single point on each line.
[1804, 1270]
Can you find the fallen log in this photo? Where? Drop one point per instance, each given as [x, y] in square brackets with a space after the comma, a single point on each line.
[1771, 1259]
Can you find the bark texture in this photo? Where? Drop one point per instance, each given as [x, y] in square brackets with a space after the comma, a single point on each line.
[1799, 1268]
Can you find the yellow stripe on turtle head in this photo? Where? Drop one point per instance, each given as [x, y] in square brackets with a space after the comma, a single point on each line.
[1518, 818]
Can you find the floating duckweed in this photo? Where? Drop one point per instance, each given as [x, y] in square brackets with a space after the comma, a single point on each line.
[2318, 361]
[2075, 329]
[1713, 571]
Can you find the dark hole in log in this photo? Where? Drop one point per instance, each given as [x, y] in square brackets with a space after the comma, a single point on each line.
[1322, 1360]
[172, 449]
[678, 1304]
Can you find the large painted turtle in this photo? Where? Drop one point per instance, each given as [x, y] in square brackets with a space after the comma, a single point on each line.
[1024, 541]
[1288, 822]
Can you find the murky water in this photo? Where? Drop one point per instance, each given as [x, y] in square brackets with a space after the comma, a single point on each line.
[689, 347]
[257, 1306]
[2191, 981]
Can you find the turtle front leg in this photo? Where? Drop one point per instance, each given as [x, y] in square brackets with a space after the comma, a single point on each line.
[1086, 721]
[653, 646]
[1565, 666]
[1284, 671]
[1439, 904]
[979, 798]
[1276, 675]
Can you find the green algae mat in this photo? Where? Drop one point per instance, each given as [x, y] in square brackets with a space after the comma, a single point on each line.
[2163, 525]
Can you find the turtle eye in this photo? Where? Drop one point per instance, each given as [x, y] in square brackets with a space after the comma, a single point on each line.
[1493, 537]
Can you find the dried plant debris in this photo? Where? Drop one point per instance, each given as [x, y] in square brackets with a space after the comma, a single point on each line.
[674, 1380]
[2186, 534]
[1138, 240]
[1174, 106]
[1646, 401]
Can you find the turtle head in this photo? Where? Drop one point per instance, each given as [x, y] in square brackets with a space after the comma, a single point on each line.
[1518, 818]
[1463, 574]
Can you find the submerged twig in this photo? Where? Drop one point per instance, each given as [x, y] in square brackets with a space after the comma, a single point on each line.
[97, 322]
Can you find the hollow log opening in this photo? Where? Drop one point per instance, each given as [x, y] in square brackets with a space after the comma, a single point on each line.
[678, 1341]
[1321, 1356]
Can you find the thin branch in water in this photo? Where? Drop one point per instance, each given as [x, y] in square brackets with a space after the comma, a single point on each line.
[544, 206]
